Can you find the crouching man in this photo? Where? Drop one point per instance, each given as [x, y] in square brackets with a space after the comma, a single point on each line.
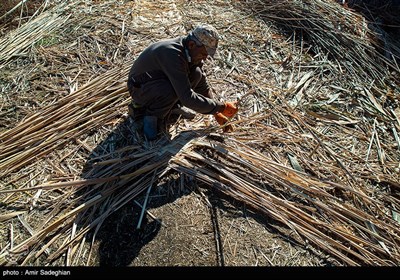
[167, 79]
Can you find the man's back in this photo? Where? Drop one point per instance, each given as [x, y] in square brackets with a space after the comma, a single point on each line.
[162, 55]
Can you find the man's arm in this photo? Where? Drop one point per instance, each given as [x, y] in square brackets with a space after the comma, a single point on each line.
[176, 70]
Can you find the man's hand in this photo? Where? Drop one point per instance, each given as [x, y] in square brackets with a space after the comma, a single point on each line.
[222, 120]
[230, 109]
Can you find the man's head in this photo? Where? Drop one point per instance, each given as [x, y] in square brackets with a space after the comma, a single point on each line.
[203, 37]
[208, 36]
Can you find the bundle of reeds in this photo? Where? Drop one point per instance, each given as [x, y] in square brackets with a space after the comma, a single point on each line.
[358, 45]
[18, 42]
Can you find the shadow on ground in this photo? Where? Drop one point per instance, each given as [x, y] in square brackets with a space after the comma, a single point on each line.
[122, 237]
[126, 230]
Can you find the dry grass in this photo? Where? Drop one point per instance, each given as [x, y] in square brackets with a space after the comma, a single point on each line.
[315, 149]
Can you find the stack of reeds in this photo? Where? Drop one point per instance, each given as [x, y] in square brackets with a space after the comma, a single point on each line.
[342, 33]
[18, 42]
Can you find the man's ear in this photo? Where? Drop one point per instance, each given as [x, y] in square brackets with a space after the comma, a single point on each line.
[191, 45]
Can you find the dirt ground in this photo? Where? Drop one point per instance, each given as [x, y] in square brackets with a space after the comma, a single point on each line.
[198, 228]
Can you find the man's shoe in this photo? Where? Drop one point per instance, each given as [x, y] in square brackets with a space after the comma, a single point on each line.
[150, 128]
[184, 112]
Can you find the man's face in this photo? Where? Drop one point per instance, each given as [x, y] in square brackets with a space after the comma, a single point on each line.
[197, 53]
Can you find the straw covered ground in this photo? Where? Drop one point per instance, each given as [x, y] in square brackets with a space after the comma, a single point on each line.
[309, 177]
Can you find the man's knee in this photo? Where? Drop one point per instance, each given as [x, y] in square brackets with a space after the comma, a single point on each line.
[160, 97]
